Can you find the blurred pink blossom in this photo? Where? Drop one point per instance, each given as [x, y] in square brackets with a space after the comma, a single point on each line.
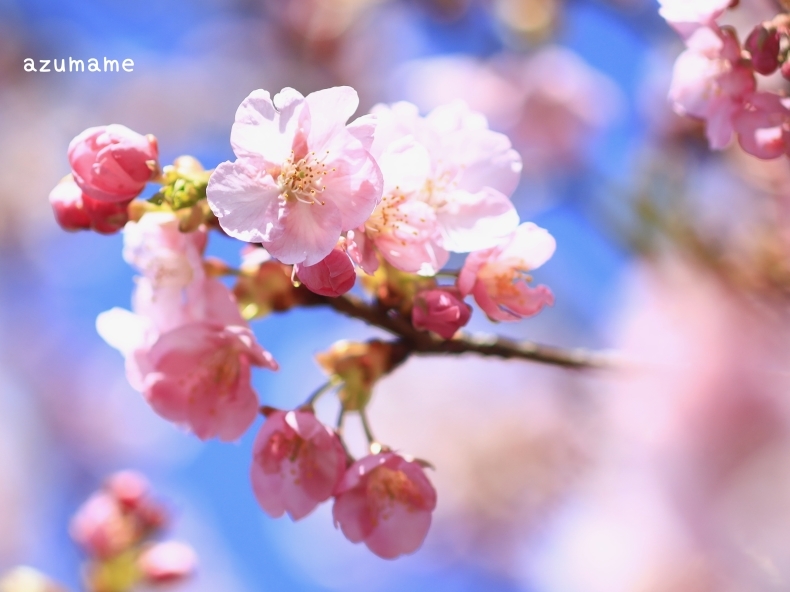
[167, 563]
[497, 277]
[113, 163]
[297, 463]
[763, 125]
[548, 102]
[386, 502]
[711, 82]
[300, 178]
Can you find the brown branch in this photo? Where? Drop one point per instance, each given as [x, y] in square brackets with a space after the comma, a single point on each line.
[413, 342]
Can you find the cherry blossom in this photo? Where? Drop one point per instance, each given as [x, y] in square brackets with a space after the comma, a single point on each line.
[297, 463]
[300, 177]
[166, 256]
[198, 376]
[497, 277]
[441, 310]
[386, 502]
[107, 524]
[447, 182]
[334, 275]
[711, 82]
[113, 163]
[763, 125]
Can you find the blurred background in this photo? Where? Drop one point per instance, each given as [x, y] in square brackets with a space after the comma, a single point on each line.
[672, 476]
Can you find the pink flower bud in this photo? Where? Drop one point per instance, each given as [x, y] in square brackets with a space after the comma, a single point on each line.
[442, 311]
[112, 163]
[76, 211]
[66, 202]
[106, 217]
[129, 488]
[297, 463]
[386, 502]
[101, 528]
[333, 276]
[167, 563]
[763, 44]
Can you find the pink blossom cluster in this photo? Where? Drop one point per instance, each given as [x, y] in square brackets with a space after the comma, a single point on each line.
[388, 195]
[187, 347]
[715, 79]
[118, 523]
[384, 499]
[391, 187]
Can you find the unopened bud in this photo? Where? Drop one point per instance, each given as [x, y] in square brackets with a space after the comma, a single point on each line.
[763, 45]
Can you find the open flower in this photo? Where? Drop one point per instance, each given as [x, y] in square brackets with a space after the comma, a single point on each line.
[447, 182]
[198, 376]
[711, 81]
[386, 502]
[763, 125]
[297, 463]
[497, 277]
[112, 162]
[300, 177]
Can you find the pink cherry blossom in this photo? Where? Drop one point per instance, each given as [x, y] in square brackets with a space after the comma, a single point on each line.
[763, 125]
[441, 310]
[297, 463]
[686, 16]
[386, 502]
[113, 163]
[76, 211]
[334, 275]
[300, 178]
[99, 527]
[129, 488]
[167, 563]
[117, 517]
[198, 376]
[497, 277]
[710, 81]
[362, 250]
[447, 182]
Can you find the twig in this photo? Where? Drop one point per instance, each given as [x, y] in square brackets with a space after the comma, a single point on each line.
[411, 341]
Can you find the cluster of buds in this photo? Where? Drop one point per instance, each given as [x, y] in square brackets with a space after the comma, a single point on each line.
[116, 528]
[715, 78]
[385, 198]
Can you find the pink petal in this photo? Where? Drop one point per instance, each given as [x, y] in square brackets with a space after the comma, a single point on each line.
[400, 532]
[470, 222]
[245, 200]
[305, 233]
[264, 131]
[330, 109]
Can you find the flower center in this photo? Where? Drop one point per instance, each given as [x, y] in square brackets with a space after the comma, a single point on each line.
[303, 180]
[386, 487]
